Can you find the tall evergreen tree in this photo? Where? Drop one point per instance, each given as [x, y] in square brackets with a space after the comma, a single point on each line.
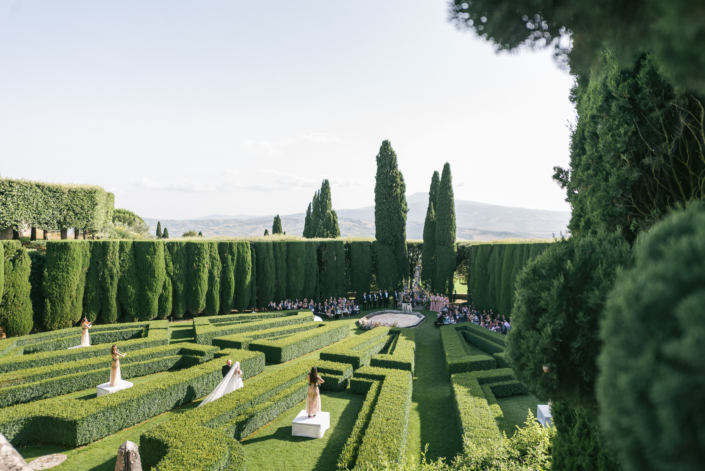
[159, 229]
[277, 225]
[446, 250]
[390, 220]
[307, 223]
[428, 256]
[266, 232]
[321, 218]
[165, 234]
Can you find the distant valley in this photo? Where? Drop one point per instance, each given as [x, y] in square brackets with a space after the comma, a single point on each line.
[475, 221]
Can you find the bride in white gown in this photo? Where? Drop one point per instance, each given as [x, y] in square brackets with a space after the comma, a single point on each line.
[231, 382]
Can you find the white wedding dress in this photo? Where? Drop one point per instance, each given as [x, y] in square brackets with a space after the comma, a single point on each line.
[231, 382]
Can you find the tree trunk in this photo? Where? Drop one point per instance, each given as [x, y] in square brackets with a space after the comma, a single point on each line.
[33, 235]
[64, 233]
[76, 232]
[46, 234]
[15, 235]
[84, 234]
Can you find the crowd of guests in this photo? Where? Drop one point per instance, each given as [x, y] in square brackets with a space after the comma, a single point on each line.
[488, 320]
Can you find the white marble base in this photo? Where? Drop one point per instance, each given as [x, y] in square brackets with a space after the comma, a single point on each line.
[543, 414]
[106, 388]
[317, 319]
[313, 427]
[78, 346]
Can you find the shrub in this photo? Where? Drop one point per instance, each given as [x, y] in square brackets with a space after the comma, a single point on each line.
[214, 273]
[403, 353]
[243, 340]
[166, 298]
[151, 272]
[205, 333]
[358, 350]
[179, 260]
[197, 276]
[73, 422]
[475, 419]
[331, 256]
[227, 253]
[650, 387]
[36, 281]
[457, 361]
[347, 458]
[311, 270]
[559, 302]
[67, 263]
[16, 315]
[243, 276]
[493, 376]
[279, 252]
[299, 344]
[295, 270]
[265, 272]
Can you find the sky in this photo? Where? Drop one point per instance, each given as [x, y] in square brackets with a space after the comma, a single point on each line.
[185, 109]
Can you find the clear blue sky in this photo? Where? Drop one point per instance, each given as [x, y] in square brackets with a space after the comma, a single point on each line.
[186, 108]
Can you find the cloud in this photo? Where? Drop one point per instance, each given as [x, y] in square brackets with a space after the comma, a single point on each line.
[322, 137]
[257, 180]
[261, 147]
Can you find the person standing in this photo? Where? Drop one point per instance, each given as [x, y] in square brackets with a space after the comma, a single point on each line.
[386, 299]
[313, 398]
[226, 368]
[85, 339]
[364, 302]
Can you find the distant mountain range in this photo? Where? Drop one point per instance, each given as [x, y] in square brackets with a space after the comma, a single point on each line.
[475, 221]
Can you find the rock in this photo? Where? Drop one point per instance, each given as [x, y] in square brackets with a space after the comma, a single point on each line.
[47, 461]
[128, 458]
[10, 459]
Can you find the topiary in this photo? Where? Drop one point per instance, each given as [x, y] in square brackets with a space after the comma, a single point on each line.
[16, 306]
[651, 388]
[558, 303]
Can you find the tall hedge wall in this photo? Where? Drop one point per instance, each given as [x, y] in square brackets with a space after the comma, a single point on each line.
[295, 270]
[311, 270]
[16, 316]
[179, 259]
[243, 276]
[197, 276]
[266, 272]
[361, 266]
[227, 252]
[492, 269]
[279, 252]
[67, 264]
[214, 275]
[331, 260]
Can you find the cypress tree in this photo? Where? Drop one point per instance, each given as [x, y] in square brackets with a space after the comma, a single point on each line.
[214, 275]
[165, 234]
[491, 273]
[390, 220]
[2, 270]
[361, 267]
[197, 276]
[179, 259]
[295, 269]
[445, 233]
[315, 213]
[159, 229]
[166, 297]
[307, 223]
[505, 307]
[67, 264]
[266, 232]
[16, 317]
[331, 256]
[266, 273]
[497, 279]
[128, 284]
[227, 252]
[428, 258]
[279, 251]
[277, 225]
[310, 288]
[200, 234]
[253, 276]
[243, 276]
[93, 292]
[150, 270]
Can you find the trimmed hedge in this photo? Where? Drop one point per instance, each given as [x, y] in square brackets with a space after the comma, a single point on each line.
[348, 456]
[171, 446]
[476, 419]
[179, 259]
[493, 376]
[457, 361]
[227, 253]
[507, 388]
[279, 252]
[358, 349]
[299, 344]
[402, 353]
[73, 422]
[156, 336]
[331, 262]
[243, 276]
[482, 343]
[266, 272]
[243, 340]
[311, 270]
[385, 437]
[205, 333]
[197, 276]
[16, 314]
[214, 274]
[361, 253]
[67, 264]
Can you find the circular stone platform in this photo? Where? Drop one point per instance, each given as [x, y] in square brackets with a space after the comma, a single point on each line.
[393, 319]
[47, 461]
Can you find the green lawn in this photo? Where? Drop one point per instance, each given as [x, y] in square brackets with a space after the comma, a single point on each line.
[432, 420]
[273, 447]
[515, 410]
[459, 287]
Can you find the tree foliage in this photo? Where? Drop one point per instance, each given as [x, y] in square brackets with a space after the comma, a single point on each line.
[321, 219]
[390, 220]
[428, 259]
[651, 366]
[446, 250]
[277, 225]
[16, 315]
[673, 31]
[637, 150]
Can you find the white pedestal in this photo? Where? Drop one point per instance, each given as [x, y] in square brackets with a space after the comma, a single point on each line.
[313, 427]
[543, 414]
[78, 346]
[106, 388]
[317, 319]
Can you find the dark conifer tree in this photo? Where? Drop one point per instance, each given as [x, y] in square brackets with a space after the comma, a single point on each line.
[390, 220]
[307, 223]
[200, 234]
[428, 256]
[159, 229]
[277, 225]
[445, 233]
[165, 234]
[321, 218]
[266, 232]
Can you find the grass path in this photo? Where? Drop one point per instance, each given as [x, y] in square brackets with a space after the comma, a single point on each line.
[515, 410]
[432, 420]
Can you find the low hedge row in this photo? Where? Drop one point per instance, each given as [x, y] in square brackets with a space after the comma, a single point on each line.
[501, 359]
[155, 337]
[64, 338]
[475, 417]
[293, 346]
[485, 333]
[494, 376]
[171, 446]
[402, 353]
[244, 317]
[492, 403]
[73, 422]
[490, 346]
[358, 350]
[244, 340]
[508, 388]
[64, 378]
[205, 333]
[456, 359]
[348, 457]
[384, 439]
